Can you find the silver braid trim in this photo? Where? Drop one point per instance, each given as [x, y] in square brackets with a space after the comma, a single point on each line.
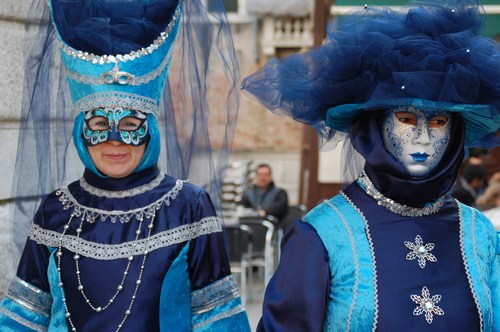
[102, 251]
[20, 320]
[92, 215]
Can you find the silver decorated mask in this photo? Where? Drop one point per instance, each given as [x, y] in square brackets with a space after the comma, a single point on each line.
[417, 139]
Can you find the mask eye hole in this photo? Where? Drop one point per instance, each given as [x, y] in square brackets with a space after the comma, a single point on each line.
[406, 118]
[98, 123]
[438, 121]
[130, 123]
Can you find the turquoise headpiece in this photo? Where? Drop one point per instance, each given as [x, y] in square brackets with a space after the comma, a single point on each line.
[116, 54]
[133, 80]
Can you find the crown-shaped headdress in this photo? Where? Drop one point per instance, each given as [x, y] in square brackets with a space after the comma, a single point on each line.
[116, 69]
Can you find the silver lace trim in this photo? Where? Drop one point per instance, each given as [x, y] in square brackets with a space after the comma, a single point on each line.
[124, 193]
[30, 297]
[104, 59]
[131, 79]
[466, 265]
[23, 321]
[214, 295]
[401, 209]
[92, 215]
[372, 251]
[116, 99]
[102, 251]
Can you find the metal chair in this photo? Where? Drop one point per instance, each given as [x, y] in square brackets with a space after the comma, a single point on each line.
[295, 212]
[239, 248]
[262, 241]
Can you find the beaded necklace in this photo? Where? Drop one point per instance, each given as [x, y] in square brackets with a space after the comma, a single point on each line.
[91, 215]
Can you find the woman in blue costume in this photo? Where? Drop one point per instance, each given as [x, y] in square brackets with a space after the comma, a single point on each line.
[410, 91]
[126, 247]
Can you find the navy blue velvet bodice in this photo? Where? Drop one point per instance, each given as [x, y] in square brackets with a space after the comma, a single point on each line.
[101, 276]
[399, 278]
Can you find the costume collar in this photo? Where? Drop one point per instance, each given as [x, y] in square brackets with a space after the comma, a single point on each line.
[114, 184]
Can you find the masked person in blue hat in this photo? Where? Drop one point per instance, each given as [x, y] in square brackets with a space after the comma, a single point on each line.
[409, 90]
[126, 247]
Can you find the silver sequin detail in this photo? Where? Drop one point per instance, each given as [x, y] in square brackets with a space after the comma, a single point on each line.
[116, 99]
[391, 205]
[92, 215]
[104, 59]
[123, 193]
[102, 251]
[420, 251]
[133, 80]
[427, 304]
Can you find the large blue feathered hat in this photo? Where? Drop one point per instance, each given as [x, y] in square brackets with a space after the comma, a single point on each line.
[429, 55]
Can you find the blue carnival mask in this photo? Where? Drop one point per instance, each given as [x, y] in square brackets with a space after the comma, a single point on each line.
[417, 139]
[115, 123]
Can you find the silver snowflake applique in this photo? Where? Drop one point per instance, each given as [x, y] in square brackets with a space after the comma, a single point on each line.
[421, 251]
[427, 304]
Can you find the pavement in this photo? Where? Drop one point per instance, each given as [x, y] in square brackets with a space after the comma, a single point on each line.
[254, 302]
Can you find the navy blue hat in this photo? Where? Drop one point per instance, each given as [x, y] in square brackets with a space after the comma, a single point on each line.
[430, 56]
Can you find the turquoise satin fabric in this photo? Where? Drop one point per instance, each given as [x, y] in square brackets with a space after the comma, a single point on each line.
[495, 287]
[228, 317]
[352, 300]
[57, 320]
[176, 303]
[482, 258]
[16, 318]
[138, 67]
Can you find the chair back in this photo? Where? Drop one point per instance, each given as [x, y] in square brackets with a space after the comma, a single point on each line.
[262, 232]
[239, 242]
[295, 212]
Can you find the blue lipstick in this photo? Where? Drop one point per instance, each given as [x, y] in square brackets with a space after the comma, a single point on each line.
[420, 157]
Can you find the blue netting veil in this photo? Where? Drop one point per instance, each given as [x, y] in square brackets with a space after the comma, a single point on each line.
[197, 103]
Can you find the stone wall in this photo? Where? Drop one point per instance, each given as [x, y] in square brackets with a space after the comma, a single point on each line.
[12, 13]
